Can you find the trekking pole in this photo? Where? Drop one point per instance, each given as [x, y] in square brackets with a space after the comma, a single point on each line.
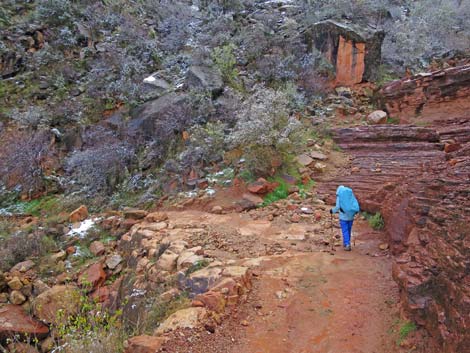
[332, 242]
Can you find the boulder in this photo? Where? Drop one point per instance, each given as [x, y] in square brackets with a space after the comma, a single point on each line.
[206, 78]
[17, 298]
[187, 259]
[92, 277]
[97, 248]
[63, 298]
[377, 117]
[15, 283]
[185, 318]
[200, 281]
[144, 344]
[14, 320]
[80, 214]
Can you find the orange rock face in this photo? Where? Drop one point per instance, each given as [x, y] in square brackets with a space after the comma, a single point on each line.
[350, 62]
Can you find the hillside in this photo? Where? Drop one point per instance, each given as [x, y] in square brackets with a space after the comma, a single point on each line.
[167, 168]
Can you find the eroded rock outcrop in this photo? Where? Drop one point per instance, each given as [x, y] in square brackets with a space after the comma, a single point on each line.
[442, 94]
[355, 53]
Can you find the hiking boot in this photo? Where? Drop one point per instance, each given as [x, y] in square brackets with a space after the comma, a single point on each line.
[347, 248]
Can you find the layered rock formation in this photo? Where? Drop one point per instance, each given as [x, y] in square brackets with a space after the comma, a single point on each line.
[354, 53]
[418, 178]
[436, 95]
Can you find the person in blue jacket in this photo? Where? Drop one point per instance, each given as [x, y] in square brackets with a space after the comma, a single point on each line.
[347, 206]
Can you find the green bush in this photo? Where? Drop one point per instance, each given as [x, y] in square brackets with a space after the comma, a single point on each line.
[225, 60]
[376, 221]
[279, 193]
[404, 331]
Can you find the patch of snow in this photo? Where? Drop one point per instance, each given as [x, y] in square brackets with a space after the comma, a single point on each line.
[82, 230]
[138, 292]
[210, 192]
[150, 79]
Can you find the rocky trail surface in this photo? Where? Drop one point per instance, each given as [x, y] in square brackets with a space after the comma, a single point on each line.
[307, 299]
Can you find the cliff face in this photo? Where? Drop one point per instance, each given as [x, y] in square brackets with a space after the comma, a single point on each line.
[433, 96]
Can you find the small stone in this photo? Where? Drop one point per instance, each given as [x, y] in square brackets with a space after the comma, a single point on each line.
[57, 257]
[320, 167]
[217, 209]
[377, 117]
[383, 246]
[318, 155]
[113, 261]
[244, 323]
[97, 248]
[71, 250]
[295, 218]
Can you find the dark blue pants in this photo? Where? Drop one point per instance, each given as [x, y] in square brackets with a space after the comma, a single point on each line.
[346, 227]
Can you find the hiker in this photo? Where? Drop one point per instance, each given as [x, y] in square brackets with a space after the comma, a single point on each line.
[347, 205]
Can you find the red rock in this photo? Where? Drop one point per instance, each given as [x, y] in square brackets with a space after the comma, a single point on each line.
[97, 248]
[144, 344]
[452, 147]
[93, 277]
[14, 320]
[103, 295]
[261, 186]
[80, 214]
[71, 250]
[435, 95]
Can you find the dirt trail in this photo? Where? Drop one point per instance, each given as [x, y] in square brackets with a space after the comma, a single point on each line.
[306, 300]
[318, 302]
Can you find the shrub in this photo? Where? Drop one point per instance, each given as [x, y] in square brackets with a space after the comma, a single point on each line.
[225, 60]
[376, 221]
[93, 329]
[279, 193]
[263, 130]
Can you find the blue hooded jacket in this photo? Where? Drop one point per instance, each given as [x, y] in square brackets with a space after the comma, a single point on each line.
[346, 203]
